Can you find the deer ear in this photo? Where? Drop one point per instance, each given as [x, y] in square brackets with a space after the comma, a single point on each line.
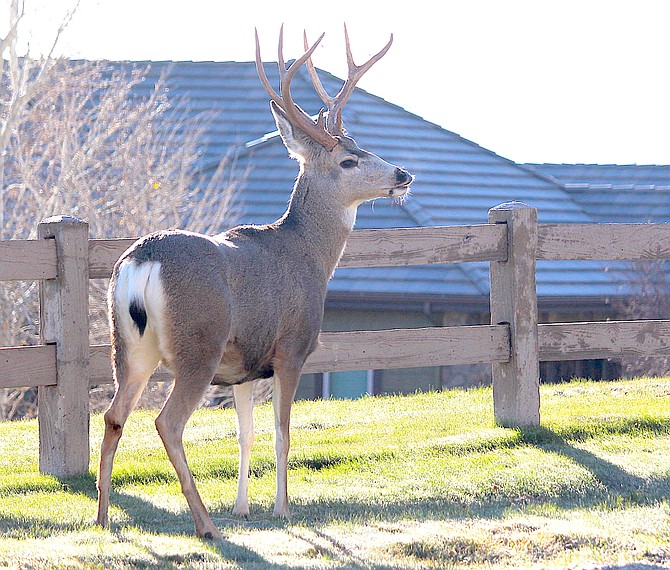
[296, 141]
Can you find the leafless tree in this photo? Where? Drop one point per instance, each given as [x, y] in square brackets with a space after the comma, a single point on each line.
[79, 138]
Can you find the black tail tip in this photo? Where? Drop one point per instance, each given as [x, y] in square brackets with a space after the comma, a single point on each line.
[139, 315]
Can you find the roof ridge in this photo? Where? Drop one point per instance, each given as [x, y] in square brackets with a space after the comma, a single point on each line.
[595, 165]
[617, 186]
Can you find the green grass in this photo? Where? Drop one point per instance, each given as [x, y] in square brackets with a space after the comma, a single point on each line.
[425, 481]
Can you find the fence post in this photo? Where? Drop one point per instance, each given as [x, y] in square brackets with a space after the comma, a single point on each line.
[63, 410]
[516, 384]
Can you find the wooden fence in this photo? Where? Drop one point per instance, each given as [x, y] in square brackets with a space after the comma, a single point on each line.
[64, 365]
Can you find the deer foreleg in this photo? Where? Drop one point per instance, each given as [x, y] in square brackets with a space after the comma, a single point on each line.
[243, 395]
[285, 386]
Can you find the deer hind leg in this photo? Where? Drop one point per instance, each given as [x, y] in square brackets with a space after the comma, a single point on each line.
[286, 382]
[244, 407]
[132, 372]
[189, 386]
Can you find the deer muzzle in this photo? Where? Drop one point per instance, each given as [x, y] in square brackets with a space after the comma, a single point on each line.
[403, 179]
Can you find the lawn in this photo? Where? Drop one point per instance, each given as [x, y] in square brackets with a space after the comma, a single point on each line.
[423, 481]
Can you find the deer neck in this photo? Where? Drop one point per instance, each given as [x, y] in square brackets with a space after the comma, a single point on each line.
[318, 222]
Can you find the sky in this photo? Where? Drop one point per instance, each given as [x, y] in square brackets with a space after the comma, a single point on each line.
[570, 81]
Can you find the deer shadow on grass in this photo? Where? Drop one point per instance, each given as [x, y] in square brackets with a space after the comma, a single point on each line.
[145, 516]
[150, 518]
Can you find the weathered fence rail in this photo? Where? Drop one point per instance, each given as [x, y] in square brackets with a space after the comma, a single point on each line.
[64, 259]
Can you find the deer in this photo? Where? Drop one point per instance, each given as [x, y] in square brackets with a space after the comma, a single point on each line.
[247, 303]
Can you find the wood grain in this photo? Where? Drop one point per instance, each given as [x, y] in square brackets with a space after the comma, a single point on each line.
[607, 339]
[418, 246]
[63, 410]
[408, 348]
[27, 260]
[370, 248]
[603, 241]
[36, 259]
[28, 366]
[103, 254]
[516, 383]
[438, 346]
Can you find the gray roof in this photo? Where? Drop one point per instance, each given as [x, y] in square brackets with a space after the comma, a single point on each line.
[615, 193]
[457, 181]
[607, 174]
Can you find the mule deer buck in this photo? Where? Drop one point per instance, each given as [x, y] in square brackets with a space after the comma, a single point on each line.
[247, 303]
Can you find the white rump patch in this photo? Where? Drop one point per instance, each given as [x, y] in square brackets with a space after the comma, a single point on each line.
[140, 283]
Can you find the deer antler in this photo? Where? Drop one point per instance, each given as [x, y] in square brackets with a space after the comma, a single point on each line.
[335, 104]
[316, 131]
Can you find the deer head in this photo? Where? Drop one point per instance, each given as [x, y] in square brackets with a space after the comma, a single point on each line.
[320, 145]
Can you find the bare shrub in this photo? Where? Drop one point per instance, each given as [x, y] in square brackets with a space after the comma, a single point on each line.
[82, 139]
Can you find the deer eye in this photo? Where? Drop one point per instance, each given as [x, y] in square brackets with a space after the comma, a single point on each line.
[349, 163]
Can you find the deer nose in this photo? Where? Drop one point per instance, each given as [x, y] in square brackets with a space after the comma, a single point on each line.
[402, 177]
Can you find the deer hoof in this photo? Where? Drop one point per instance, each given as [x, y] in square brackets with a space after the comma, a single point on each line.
[241, 512]
[213, 534]
[282, 514]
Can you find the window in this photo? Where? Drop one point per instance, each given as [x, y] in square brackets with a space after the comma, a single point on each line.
[348, 385]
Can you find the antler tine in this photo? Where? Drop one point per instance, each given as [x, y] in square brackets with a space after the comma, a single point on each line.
[318, 86]
[285, 86]
[317, 130]
[262, 76]
[280, 55]
[355, 73]
[300, 118]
